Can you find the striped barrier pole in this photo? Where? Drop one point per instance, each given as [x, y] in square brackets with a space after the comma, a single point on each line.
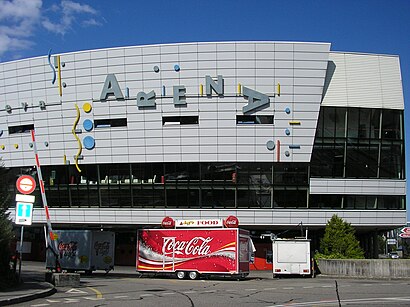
[45, 206]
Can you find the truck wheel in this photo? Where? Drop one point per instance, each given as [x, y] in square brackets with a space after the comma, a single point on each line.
[193, 275]
[180, 274]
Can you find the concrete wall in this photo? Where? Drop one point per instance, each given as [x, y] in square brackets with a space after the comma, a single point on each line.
[373, 268]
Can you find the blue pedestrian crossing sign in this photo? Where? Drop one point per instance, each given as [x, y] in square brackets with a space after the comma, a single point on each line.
[24, 213]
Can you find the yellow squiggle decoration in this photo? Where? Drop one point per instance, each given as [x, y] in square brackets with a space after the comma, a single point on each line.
[60, 90]
[80, 147]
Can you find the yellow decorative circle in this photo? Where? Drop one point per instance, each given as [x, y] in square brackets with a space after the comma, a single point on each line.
[16, 146]
[2, 147]
[87, 107]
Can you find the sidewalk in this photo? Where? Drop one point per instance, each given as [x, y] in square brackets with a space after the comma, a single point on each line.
[34, 286]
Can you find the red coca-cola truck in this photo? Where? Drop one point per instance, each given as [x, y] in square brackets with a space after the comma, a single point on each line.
[195, 249]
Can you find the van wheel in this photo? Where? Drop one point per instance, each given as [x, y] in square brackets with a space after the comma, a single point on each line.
[180, 274]
[193, 275]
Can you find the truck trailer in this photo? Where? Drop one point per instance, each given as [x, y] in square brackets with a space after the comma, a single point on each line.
[83, 250]
[193, 252]
[291, 256]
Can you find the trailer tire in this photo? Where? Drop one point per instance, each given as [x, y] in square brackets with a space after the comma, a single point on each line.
[180, 274]
[193, 275]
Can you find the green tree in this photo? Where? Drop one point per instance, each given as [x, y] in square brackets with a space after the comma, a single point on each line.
[339, 241]
[6, 227]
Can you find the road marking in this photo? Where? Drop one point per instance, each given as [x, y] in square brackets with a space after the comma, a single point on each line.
[288, 288]
[146, 295]
[189, 292]
[93, 298]
[97, 293]
[38, 305]
[359, 300]
[168, 293]
[76, 291]
[121, 296]
[71, 300]
[327, 286]
[53, 301]
[367, 285]
[209, 291]
[308, 287]
[251, 289]
[269, 289]
[231, 290]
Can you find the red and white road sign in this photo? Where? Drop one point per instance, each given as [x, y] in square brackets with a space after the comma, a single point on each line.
[405, 230]
[405, 235]
[26, 184]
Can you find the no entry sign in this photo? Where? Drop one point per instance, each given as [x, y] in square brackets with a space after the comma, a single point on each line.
[26, 184]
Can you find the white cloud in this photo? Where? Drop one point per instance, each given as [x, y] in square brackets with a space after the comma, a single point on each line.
[66, 14]
[20, 19]
[17, 19]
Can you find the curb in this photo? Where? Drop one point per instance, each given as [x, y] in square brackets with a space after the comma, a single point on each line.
[25, 298]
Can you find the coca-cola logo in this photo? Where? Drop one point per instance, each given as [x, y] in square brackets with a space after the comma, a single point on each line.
[197, 246]
[102, 248]
[231, 222]
[67, 250]
[168, 222]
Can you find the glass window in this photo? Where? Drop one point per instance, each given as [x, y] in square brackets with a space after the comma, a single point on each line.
[328, 159]
[290, 174]
[290, 198]
[361, 160]
[333, 122]
[391, 162]
[325, 201]
[391, 124]
[390, 202]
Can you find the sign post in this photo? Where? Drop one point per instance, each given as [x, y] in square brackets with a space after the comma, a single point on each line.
[24, 208]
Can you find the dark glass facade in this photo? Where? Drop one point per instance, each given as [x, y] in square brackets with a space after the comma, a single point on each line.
[359, 143]
[178, 185]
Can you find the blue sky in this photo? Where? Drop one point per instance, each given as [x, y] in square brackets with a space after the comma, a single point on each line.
[31, 27]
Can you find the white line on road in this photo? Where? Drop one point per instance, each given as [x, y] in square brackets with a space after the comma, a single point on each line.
[189, 292]
[146, 295]
[93, 298]
[269, 289]
[327, 286]
[168, 293]
[360, 300]
[251, 289]
[308, 287]
[52, 301]
[288, 288]
[39, 305]
[71, 300]
[121, 296]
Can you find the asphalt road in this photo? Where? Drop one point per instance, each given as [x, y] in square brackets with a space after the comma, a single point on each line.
[121, 290]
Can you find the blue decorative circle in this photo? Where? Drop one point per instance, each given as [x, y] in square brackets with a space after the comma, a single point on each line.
[89, 142]
[176, 67]
[156, 68]
[287, 131]
[88, 125]
[270, 145]
[287, 110]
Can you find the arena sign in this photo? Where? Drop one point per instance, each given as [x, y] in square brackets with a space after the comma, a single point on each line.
[256, 100]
